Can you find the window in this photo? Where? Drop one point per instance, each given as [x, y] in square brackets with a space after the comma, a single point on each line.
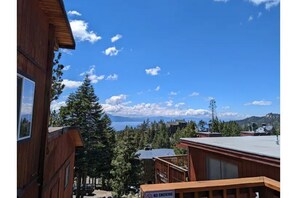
[25, 101]
[67, 175]
[219, 169]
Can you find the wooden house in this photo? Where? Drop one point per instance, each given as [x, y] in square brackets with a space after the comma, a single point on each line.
[42, 27]
[243, 166]
[147, 156]
[233, 157]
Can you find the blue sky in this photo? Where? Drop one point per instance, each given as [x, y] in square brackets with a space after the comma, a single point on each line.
[169, 57]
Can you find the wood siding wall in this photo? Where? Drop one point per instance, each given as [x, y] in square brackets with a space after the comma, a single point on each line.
[246, 168]
[32, 57]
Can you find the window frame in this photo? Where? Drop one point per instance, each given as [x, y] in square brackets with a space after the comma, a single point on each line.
[221, 161]
[20, 107]
[67, 176]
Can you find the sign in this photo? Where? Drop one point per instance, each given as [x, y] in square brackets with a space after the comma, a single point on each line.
[160, 194]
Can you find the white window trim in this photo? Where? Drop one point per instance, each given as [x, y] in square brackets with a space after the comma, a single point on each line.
[21, 102]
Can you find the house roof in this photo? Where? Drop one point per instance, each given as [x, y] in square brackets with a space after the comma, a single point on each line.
[74, 133]
[150, 154]
[259, 145]
[55, 11]
[208, 133]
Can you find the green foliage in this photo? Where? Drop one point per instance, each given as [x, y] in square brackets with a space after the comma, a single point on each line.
[188, 131]
[161, 137]
[127, 169]
[201, 125]
[84, 111]
[57, 86]
[230, 129]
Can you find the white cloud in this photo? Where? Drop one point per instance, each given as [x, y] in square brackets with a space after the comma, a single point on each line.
[250, 18]
[157, 88]
[111, 51]
[153, 71]
[81, 32]
[112, 77]
[224, 1]
[194, 94]
[66, 51]
[92, 76]
[173, 93]
[179, 104]
[71, 84]
[115, 38]
[115, 100]
[259, 103]
[73, 12]
[116, 105]
[57, 105]
[268, 3]
[67, 67]
[169, 103]
[27, 108]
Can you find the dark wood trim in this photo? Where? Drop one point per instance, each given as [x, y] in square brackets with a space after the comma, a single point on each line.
[21, 191]
[47, 92]
[32, 60]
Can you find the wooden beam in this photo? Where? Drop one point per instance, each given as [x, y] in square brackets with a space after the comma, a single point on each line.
[210, 194]
[237, 193]
[47, 94]
[225, 193]
[196, 194]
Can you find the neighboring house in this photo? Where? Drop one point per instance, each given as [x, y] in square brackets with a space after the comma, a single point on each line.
[232, 157]
[173, 126]
[220, 167]
[147, 156]
[261, 131]
[42, 157]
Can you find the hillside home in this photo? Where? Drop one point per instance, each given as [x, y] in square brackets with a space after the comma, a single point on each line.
[147, 156]
[223, 167]
[45, 157]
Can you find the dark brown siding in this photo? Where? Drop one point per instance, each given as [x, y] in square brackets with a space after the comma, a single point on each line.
[246, 167]
[32, 47]
[60, 152]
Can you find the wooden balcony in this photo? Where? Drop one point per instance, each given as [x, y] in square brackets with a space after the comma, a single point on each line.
[171, 169]
[256, 187]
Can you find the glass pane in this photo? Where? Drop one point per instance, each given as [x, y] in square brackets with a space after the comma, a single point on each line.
[213, 168]
[19, 95]
[67, 175]
[26, 109]
[229, 170]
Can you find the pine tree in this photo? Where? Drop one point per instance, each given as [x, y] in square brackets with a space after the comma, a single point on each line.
[84, 111]
[126, 167]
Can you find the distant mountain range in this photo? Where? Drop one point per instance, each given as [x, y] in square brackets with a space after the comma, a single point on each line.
[269, 119]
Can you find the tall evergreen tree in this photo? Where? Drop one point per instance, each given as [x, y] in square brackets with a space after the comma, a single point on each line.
[126, 167]
[84, 111]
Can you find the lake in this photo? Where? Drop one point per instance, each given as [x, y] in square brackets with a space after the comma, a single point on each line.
[121, 125]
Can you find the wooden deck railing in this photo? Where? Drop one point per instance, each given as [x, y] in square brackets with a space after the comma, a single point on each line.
[256, 187]
[171, 169]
